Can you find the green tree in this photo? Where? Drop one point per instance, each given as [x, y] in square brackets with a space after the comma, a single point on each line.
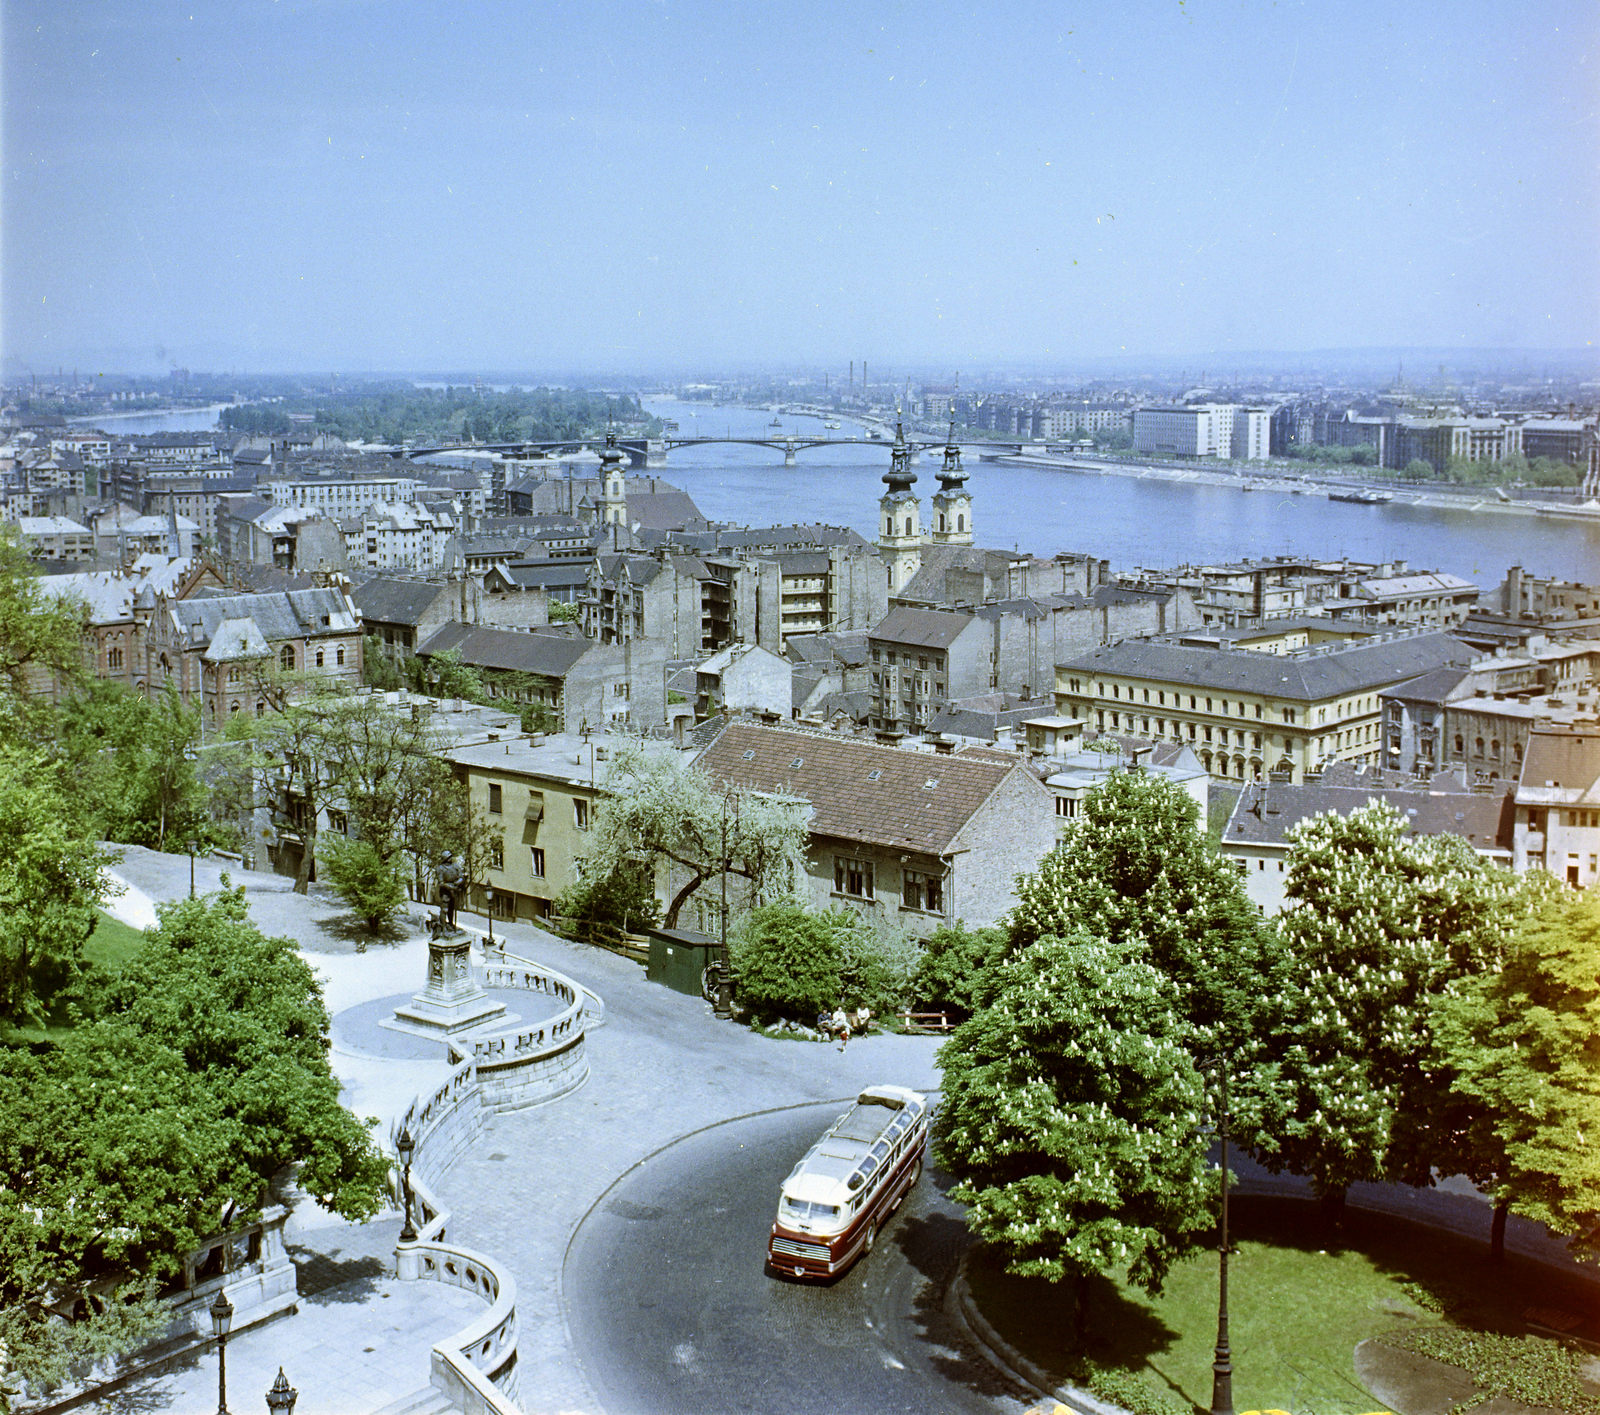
[1522, 1048]
[955, 961]
[787, 959]
[366, 881]
[376, 669]
[621, 898]
[1070, 1118]
[1417, 470]
[245, 1012]
[41, 643]
[50, 884]
[1135, 867]
[206, 1074]
[1377, 923]
[661, 813]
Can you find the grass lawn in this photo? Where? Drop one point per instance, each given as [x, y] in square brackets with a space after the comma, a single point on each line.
[1298, 1306]
[110, 947]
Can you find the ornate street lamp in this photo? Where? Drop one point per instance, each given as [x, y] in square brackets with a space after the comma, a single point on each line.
[404, 1145]
[221, 1319]
[282, 1396]
[488, 909]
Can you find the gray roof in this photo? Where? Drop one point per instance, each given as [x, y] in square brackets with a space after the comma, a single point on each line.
[1305, 676]
[924, 628]
[549, 655]
[395, 601]
[848, 646]
[1434, 687]
[545, 574]
[1266, 811]
[287, 614]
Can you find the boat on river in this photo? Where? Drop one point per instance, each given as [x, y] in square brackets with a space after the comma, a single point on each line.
[830, 424]
[1362, 497]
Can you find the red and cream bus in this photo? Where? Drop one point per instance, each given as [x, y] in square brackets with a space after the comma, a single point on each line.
[835, 1200]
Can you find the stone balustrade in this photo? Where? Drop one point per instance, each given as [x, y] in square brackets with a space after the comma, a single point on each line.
[476, 1369]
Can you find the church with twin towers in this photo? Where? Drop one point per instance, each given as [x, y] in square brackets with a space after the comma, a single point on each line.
[900, 534]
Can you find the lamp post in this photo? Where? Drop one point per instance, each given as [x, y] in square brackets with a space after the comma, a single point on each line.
[404, 1145]
[221, 1319]
[1222, 1362]
[282, 1396]
[488, 909]
[193, 846]
[724, 1003]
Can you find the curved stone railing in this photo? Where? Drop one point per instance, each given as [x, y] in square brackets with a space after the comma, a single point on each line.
[507, 1070]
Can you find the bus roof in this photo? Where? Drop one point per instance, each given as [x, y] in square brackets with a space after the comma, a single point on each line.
[823, 1175]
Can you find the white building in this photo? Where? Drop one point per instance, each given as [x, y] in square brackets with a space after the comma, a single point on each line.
[391, 535]
[339, 499]
[1223, 430]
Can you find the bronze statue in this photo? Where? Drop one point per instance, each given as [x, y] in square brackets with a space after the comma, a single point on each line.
[452, 883]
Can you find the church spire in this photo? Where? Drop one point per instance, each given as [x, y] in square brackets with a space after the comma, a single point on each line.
[952, 503]
[900, 516]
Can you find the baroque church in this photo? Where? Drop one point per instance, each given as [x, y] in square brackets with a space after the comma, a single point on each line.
[901, 539]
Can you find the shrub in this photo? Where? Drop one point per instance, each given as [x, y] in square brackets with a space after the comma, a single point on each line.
[954, 960]
[368, 883]
[623, 898]
[876, 965]
[788, 960]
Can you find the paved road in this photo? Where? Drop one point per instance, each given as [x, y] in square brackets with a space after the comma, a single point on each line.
[671, 1306]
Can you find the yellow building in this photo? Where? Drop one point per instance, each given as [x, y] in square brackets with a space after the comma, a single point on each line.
[1247, 712]
[539, 795]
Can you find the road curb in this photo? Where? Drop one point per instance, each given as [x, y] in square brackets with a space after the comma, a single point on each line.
[1002, 1355]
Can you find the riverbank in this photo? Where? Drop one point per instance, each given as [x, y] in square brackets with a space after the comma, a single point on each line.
[1472, 499]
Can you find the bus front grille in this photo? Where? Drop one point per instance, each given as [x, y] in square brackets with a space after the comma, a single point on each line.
[789, 1247]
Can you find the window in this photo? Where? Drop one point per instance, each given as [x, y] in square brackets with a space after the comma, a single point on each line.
[536, 863]
[497, 853]
[114, 659]
[494, 798]
[286, 658]
[922, 892]
[1066, 807]
[339, 658]
[852, 877]
[319, 658]
[580, 813]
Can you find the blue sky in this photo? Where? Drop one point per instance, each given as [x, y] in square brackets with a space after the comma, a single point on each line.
[639, 184]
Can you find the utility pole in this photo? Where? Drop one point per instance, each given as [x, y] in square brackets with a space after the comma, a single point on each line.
[1222, 1364]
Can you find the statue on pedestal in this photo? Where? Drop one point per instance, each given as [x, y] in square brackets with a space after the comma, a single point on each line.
[452, 884]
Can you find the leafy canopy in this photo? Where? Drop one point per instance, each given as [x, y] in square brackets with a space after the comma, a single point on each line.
[1522, 1047]
[1070, 1116]
[1378, 922]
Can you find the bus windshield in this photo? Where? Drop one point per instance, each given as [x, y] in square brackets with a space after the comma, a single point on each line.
[801, 1208]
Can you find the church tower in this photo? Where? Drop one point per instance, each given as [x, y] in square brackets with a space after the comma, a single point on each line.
[613, 485]
[952, 503]
[900, 518]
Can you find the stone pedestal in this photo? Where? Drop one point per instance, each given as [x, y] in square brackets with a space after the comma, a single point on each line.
[453, 1002]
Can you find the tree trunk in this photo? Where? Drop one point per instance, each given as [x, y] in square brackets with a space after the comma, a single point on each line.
[1080, 1309]
[680, 899]
[302, 879]
[1497, 1232]
[1333, 1207]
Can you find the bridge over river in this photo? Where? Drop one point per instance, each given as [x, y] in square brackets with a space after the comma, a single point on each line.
[652, 451]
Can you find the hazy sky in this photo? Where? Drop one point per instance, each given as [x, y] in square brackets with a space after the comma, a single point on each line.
[638, 184]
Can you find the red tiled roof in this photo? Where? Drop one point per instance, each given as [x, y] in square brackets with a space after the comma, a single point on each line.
[859, 791]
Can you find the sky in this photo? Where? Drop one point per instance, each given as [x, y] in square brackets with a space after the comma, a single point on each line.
[646, 185]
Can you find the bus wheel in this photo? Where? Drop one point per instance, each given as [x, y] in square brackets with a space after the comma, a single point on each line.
[871, 1238]
[916, 1174]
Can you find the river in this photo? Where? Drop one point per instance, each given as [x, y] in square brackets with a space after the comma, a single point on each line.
[1124, 519]
[1128, 520]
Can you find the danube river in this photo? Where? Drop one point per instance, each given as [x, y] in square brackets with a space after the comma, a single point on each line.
[1128, 520]
[1124, 519]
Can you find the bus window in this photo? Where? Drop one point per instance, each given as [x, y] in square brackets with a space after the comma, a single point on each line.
[880, 1150]
[800, 1208]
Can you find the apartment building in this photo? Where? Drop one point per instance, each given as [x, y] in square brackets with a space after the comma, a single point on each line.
[1246, 713]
